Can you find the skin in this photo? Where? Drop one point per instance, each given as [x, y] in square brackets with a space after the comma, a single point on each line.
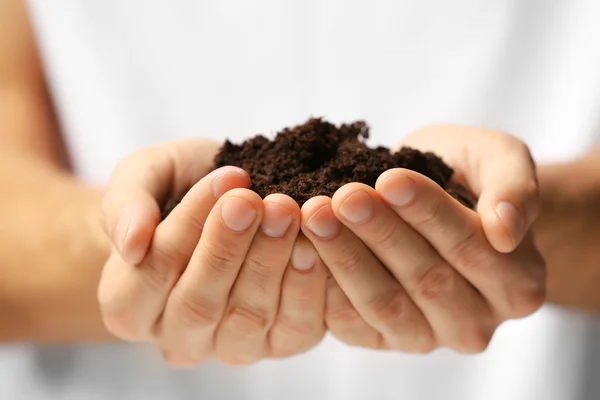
[98, 265]
[420, 270]
[263, 284]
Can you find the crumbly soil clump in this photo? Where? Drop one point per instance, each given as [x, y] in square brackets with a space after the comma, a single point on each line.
[317, 158]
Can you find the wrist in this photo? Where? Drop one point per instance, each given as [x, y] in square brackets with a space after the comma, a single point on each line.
[566, 231]
[63, 308]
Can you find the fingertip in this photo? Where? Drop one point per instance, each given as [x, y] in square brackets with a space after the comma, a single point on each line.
[241, 210]
[284, 201]
[133, 241]
[503, 224]
[346, 191]
[246, 194]
[396, 173]
[385, 175]
[398, 187]
[318, 218]
[313, 204]
[281, 213]
[227, 178]
[304, 257]
[302, 240]
[228, 169]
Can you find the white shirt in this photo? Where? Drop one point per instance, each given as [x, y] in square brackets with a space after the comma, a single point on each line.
[128, 74]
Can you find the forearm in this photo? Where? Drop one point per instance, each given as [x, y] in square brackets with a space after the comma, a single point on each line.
[51, 244]
[51, 253]
[568, 232]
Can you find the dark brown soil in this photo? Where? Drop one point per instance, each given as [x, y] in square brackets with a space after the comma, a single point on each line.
[317, 158]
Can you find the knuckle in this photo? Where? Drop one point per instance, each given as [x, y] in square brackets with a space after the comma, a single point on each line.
[191, 217]
[464, 248]
[388, 239]
[259, 267]
[120, 320]
[527, 302]
[474, 340]
[387, 307]
[294, 348]
[431, 217]
[118, 316]
[530, 296]
[156, 275]
[195, 311]
[165, 257]
[121, 323]
[468, 254]
[291, 328]
[435, 282]
[289, 337]
[301, 294]
[425, 346]
[222, 259]
[424, 343]
[244, 319]
[349, 260]
[304, 293]
[366, 338]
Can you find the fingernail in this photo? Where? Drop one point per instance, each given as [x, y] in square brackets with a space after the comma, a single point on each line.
[237, 214]
[399, 190]
[323, 223]
[511, 218]
[303, 258]
[122, 231]
[357, 207]
[276, 220]
[220, 185]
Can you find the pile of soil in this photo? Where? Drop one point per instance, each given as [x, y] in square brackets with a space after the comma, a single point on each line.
[317, 158]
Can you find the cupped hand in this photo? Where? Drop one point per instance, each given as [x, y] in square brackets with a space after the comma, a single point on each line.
[225, 276]
[412, 268]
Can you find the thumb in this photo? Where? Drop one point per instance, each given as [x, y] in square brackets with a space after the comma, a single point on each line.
[497, 168]
[507, 186]
[131, 217]
[140, 185]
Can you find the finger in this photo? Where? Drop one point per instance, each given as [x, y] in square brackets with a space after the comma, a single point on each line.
[512, 283]
[130, 218]
[198, 300]
[345, 323]
[459, 316]
[373, 291]
[509, 201]
[140, 185]
[133, 297]
[299, 323]
[241, 338]
[499, 169]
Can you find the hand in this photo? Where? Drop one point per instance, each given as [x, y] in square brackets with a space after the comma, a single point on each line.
[413, 269]
[213, 280]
